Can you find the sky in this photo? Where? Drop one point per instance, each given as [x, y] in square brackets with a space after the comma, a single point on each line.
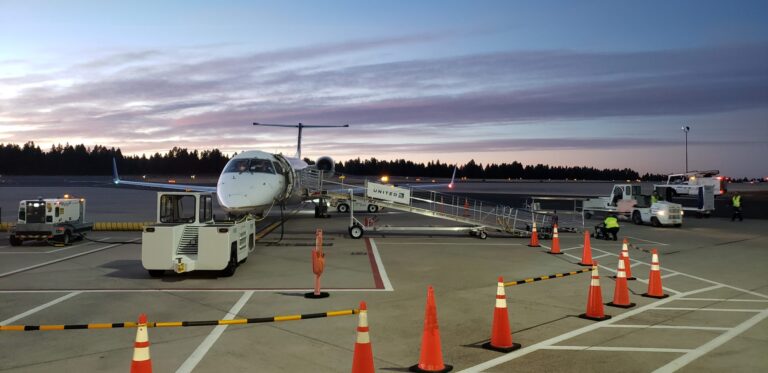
[607, 84]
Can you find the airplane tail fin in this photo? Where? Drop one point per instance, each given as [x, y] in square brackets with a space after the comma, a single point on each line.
[115, 176]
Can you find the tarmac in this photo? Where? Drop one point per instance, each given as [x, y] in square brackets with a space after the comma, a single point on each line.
[713, 269]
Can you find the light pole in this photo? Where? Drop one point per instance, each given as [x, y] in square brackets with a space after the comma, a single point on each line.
[686, 129]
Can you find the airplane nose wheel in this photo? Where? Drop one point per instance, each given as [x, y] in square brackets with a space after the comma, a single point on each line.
[356, 231]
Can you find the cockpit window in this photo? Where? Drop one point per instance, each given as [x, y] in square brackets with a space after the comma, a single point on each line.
[251, 165]
[261, 166]
[237, 165]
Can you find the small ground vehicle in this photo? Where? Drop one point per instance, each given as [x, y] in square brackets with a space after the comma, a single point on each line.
[58, 219]
[700, 202]
[688, 183]
[186, 238]
[342, 206]
[627, 200]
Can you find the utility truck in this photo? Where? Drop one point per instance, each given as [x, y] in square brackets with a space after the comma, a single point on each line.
[688, 183]
[700, 201]
[627, 200]
[186, 237]
[50, 219]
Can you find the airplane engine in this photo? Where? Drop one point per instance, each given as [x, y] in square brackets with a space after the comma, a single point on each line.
[326, 164]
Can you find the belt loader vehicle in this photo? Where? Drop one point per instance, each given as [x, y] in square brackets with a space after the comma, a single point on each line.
[50, 219]
[627, 200]
[186, 237]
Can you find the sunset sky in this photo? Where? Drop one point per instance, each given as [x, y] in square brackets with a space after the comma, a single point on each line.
[597, 83]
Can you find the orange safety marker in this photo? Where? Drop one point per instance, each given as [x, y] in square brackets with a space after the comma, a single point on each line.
[655, 289]
[362, 362]
[501, 335]
[555, 250]
[621, 291]
[595, 309]
[318, 265]
[431, 357]
[466, 207]
[534, 237]
[141, 362]
[586, 254]
[624, 255]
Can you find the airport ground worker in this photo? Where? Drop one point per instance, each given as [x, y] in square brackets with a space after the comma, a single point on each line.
[655, 197]
[736, 203]
[610, 227]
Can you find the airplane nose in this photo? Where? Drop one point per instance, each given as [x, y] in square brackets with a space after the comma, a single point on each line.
[244, 191]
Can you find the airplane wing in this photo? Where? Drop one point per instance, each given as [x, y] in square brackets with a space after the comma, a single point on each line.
[187, 188]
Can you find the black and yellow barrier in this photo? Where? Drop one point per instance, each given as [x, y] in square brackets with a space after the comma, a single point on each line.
[542, 278]
[131, 226]
[174, 324]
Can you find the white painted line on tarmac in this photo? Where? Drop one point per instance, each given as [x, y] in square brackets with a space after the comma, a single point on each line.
[713, 344]
[62, 259]
[382, 270]
[563, 337]
[614, 271]
[208, 342]
[666, 327]
[670, 275]
[622, 349]
[726, 300]
[707, 309]
[600, 256]
[640, 239]
[38, 308]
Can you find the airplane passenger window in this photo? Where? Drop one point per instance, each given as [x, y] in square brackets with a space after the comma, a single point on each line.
[237, 165]
[261, 166]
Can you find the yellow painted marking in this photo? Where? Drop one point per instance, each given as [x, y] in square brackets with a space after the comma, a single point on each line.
[288, 318]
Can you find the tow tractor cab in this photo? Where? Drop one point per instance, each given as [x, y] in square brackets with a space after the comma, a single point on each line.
[628, 201]
[688, 183]
[186, 238]
[47, 219]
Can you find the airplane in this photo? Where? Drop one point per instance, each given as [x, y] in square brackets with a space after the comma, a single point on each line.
[253, 181]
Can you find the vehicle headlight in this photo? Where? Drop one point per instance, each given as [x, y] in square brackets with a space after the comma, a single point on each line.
[660, 213]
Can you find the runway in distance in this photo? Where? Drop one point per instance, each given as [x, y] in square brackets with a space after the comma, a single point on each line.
[253, 181]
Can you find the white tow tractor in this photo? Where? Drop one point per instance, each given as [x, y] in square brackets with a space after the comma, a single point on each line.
[186, 238]
[628, 201]
[50, 219]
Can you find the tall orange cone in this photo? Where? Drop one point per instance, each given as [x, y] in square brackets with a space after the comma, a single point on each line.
[501, 335]
[621, 291]
[586, 254]
[624, 256]
[431, 358]
[534, 237]
[655, 289]
[555, 250]
[362, 362]
[595, 309]
[141, 362]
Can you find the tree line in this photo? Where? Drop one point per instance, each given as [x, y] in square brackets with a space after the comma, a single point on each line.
[30, 159]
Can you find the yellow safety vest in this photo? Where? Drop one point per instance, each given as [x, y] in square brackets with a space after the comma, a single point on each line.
[611, 222]
[654, 199]
[736, 200]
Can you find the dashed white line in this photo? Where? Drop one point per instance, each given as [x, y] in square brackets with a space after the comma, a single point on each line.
[713, 344]
[208, 342]
[39, 308]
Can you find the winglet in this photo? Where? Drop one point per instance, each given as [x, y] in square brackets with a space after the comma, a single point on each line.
[115, 177]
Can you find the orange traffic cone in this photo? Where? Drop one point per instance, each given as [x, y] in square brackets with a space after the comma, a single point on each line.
[501, 335]
[654, 279]
[624, 256]
[555, 250]
[362, 362]
[586, 254]
[621, 291]
[431, 358]
[534, 237]
[141, 362]
[595, 299]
